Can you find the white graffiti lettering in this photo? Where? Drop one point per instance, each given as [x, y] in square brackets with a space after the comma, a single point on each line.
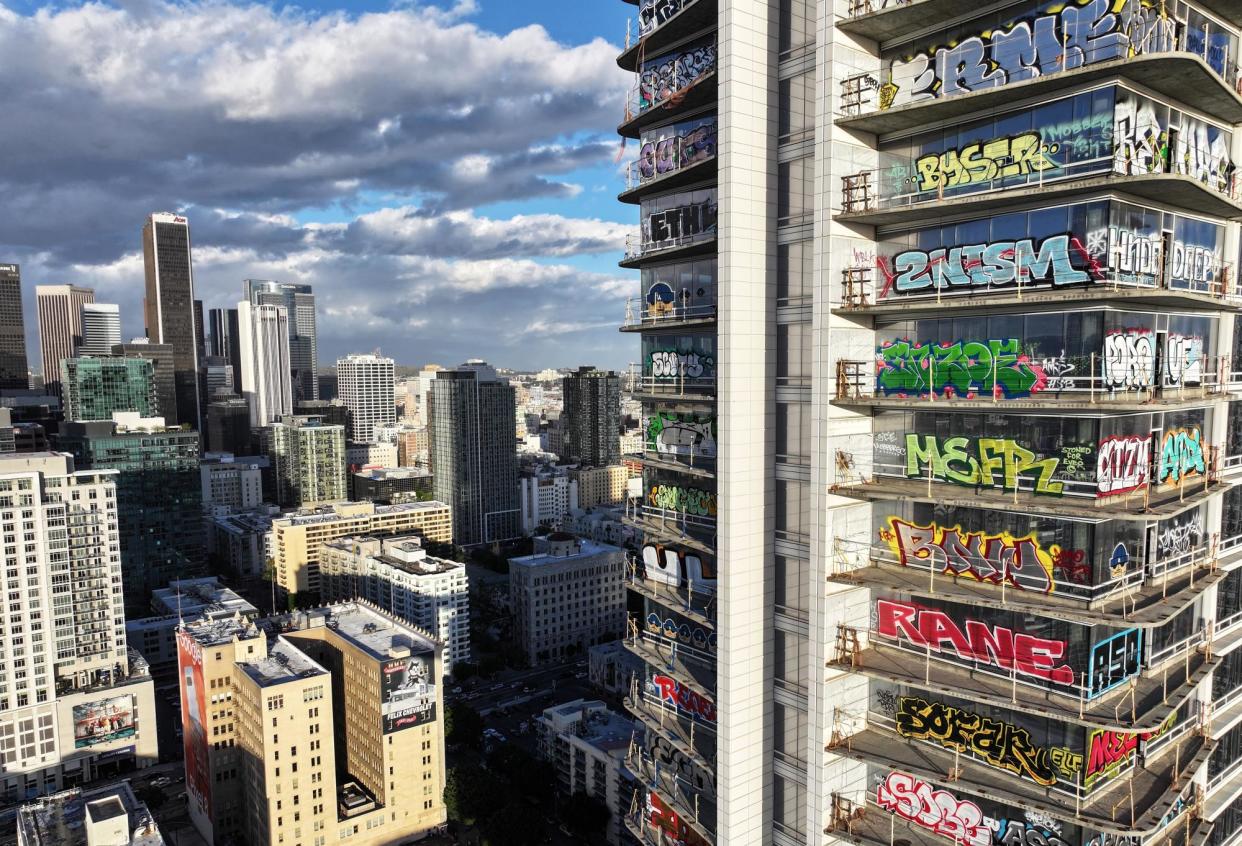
[1181, 535]
[1129, 360]
[1133, 255]
[670, 364]
[1183, 359]
[1124, 464]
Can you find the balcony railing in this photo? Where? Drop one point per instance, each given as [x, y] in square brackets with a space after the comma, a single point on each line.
[905, 373]
[863, 93]
[858, 8]
[863, 191]
[687, 597]
[670, 156]
[866, 285]
[642, 314]
[636, 247]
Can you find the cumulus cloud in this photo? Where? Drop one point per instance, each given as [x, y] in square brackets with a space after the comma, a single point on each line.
[254, 121]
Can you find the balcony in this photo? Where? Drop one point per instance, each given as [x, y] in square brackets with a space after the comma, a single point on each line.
[691, 667]
[683, 388]
[695, 94]
[885, 20]
[928, 377]
[694, 740]
[641, 180]
[689, 465]
[697, 605]
[859, 294]
[1143, 703]
[642, 316]
[1176, 73]
[1136, 801]
[639, 251]
[862, 204]
[696, 808]
[667, 24]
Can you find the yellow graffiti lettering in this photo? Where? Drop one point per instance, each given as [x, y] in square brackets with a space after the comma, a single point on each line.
[981, 556]
[1018, 155]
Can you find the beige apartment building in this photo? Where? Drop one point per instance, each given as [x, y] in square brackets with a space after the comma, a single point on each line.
[332, 734]
[601, 485]
[297, 538]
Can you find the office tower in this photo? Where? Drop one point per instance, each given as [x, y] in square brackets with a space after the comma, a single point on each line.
[228, 426]
[100, 816]
[592, 416]
[581, 581]
[14, 370]
[200, 336]
[225, 338]
[334, 730]
[75, 704]
[333, 412]
[217, 378]
[161, 358]
[296, 538]
[158, 494]
[59, 310]
[231, 483]
[307, 461]
[169, 306]
[96, 388]
[327, 386]
[955, 300]
[366, 386]
[265, 362]
[101, 328]
[474, 452]
[299, 302]
[397, 575]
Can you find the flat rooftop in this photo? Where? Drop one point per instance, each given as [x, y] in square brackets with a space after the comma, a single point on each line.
[284, 663]
[213, 632]
[199, 597]
[331, 513]
[373, 632]
[61, 819]
[586, 549]
[602, 728]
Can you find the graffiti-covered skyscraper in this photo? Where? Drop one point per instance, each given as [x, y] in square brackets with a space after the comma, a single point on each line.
[474, 452]
[967, 370]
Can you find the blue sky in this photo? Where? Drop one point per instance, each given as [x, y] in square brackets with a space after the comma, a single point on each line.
[444, 175]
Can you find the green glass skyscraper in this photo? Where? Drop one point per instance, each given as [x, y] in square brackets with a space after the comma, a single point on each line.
[93, 388]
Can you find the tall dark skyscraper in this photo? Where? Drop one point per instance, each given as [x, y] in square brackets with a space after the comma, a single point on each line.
[170, 304]
[161, 358]
[592, 417]
[474, 452]
[225, 340]
[299, 301]
[14, 372]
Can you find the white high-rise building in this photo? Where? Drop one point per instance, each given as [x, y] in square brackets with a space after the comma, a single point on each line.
[74, 702]
[266, 377]
[101, 328]
[299, 301]
[59, 310]
[398, 575]
[366, 384]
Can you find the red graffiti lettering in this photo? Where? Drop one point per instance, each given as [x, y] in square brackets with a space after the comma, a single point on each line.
[684, 698]
[995, 645]
[935, 810]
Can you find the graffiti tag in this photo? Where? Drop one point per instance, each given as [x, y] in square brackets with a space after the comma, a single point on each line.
[937, 811]
[963, 369]
[1109, 751]
[1183, 360]
[670, 433]
[671, 364]
[1123, 464]
[682, 631]
[1129, 359]
[974, 462]
[990, 558]
[991, 264]
[686, 700]
[695, 501]
[1016, 155]
[1181, 454]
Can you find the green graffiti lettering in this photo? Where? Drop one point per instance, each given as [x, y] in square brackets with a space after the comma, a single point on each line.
[965, 462]
[962, 369]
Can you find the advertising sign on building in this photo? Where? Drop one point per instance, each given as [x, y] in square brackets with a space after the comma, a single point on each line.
[408, 692]
[103, 720]
[193, 721]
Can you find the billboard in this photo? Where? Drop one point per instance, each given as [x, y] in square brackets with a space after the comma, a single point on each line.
[408, 692]
[194, 720]
[103, 720]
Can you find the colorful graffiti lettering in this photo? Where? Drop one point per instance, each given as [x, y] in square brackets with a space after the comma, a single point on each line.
[1114, 660]
[670, 433]
[980, 643]
[662, 77]
[1073, 35]
[1179, 535]
[1123, 464]
[695, 501]
[938, 811]
[1129, 359]
[952, 460]
[671, 566]
[671, 364]
[686, 700]
[1064, 760]
[1070, 565]
[1181, 454]
[679, 224]
[665, 820]
[1018, 833]
[990, 558]
[682, 631]
[1183, 360]
[1015, 155]
[962, 369]
[992, 264]
[670, 149]
[1001, 744]
[1109, 751]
